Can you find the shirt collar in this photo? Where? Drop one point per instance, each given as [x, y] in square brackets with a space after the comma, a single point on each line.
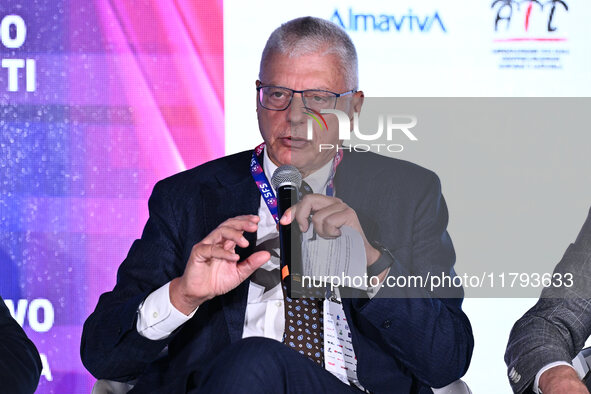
[317, 180]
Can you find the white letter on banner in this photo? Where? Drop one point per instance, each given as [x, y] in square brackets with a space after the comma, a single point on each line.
[31, 75]
[13, 65]
[20, 312]
[46, 372]
[48, 315]
[21, 31]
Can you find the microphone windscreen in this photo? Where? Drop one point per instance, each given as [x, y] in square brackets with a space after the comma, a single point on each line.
[286, 175]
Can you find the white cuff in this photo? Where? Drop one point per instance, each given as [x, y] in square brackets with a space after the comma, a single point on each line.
[157, 317]
[373, 290]
[546, 367]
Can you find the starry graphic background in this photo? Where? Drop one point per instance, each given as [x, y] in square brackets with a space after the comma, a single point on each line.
[114, 111]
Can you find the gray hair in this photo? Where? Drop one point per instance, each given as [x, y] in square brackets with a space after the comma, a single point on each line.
[308, 35]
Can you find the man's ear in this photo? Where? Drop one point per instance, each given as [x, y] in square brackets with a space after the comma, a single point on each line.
[358, 98]
[256, 96]
[356, 104]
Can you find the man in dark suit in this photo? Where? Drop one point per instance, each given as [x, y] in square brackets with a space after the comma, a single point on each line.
[20, 365]
[201, 287]
[545, 340]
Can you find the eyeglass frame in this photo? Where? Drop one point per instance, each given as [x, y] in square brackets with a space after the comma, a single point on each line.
[260, 85]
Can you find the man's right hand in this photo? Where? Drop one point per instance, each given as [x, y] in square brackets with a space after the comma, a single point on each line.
[561, 379]
[213, 268]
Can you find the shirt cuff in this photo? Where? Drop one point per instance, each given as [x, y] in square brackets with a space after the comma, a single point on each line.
[546, 367]
[157, 317]
[373, 290]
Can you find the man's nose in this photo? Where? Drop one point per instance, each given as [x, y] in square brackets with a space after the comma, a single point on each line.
[295, 111]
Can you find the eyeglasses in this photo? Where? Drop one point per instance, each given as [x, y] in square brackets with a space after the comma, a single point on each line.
[277, 98]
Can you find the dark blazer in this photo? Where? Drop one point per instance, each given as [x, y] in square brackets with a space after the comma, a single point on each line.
[402, 345]
[20, 365]
[556, 328]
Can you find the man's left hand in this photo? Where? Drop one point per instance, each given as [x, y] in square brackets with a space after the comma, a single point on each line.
[328, 215]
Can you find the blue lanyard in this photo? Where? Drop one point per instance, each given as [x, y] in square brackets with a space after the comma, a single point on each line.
[256, 169]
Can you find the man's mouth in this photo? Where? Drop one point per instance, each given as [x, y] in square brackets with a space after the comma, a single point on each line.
[294, 142]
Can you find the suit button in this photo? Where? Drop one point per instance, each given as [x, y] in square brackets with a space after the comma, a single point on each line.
[386, 324]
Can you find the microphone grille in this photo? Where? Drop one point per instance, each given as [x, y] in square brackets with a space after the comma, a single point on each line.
[286, 174]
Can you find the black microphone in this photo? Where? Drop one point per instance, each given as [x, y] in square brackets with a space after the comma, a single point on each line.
[287, 180]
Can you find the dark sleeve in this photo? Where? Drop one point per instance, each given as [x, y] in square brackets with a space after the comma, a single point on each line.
[556, 328]
[429, 333]
[20, 365]
[111, 348]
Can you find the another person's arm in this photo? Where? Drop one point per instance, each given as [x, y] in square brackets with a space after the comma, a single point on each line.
[556, 327]
[561, 379]
[20, 365]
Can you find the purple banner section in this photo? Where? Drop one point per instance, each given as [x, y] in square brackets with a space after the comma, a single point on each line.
[98, 101]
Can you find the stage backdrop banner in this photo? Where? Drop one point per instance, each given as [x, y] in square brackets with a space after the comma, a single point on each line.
[98, 101]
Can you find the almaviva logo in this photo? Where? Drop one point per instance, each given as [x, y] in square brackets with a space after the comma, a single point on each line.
[410, 22]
